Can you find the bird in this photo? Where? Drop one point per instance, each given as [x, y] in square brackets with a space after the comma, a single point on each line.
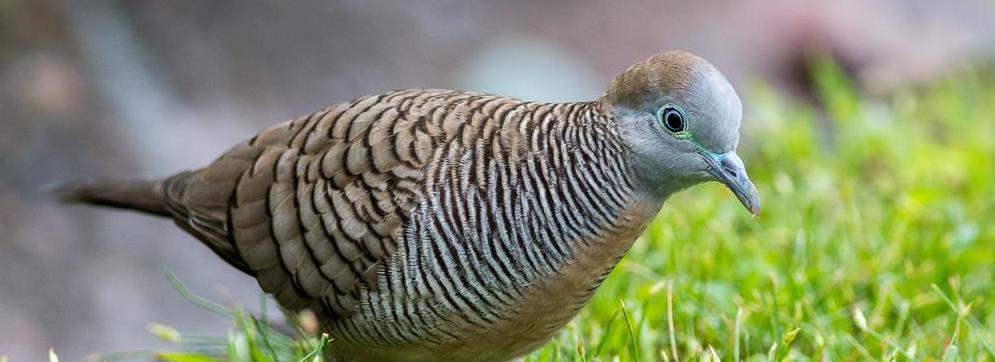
[441, 225]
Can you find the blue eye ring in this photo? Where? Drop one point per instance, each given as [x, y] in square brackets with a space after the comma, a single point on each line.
[673, 119]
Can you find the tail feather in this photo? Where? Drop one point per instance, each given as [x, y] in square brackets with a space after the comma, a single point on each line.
[139, 195]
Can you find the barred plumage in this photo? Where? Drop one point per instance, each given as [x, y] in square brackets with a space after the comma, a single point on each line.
[443, 225]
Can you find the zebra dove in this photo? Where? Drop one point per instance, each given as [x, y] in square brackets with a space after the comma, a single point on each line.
[446, 225]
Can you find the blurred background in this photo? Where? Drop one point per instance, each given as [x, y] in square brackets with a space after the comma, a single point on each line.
[102, 88]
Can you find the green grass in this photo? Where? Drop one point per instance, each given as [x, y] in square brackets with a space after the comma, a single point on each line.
[876, 242]
[252, 337]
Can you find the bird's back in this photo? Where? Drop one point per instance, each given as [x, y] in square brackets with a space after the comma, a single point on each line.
[314, 206]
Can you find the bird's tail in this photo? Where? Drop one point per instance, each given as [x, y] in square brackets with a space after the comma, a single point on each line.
[139, 195]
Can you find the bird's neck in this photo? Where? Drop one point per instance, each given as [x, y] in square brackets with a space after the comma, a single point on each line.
[598, 196]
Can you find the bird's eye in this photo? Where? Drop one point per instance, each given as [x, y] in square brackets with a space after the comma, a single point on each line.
[673, 119]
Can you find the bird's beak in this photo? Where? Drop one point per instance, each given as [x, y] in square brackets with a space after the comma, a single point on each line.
[728, 169]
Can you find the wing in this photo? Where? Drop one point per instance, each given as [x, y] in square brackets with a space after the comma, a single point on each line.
[313, 207]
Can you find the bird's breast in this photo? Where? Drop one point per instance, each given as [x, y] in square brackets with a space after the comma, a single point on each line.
[452, 302]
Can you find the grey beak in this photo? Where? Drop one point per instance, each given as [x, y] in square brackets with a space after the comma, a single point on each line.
[728, 169]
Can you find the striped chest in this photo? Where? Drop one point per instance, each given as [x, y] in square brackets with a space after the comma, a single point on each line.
[449, 305]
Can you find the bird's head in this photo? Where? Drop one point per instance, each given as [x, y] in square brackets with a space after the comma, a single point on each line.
[680, 118]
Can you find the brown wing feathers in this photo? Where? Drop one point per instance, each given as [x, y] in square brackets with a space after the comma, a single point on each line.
[310, 207]
[316, 215]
